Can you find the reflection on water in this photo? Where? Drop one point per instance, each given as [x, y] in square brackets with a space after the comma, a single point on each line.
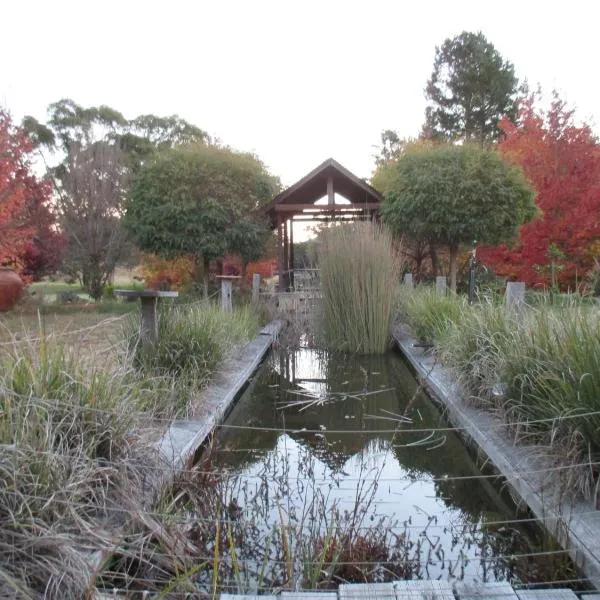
[315, 429]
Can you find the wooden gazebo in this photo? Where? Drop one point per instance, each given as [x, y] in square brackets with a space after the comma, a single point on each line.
[298, 204]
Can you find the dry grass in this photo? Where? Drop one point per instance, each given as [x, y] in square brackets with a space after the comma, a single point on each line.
[95, 336]
[76, 458]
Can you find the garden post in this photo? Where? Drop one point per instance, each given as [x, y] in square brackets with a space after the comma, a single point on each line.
[226, 303]
[515, 295]
[149, 311]
[408, 279]
[149, 321]
[255, 287]
[440, 285]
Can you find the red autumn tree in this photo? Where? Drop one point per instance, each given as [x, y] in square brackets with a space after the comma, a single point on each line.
[562, 161]
[28, 241]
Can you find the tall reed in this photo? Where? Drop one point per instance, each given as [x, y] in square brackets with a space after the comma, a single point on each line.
[359, 278]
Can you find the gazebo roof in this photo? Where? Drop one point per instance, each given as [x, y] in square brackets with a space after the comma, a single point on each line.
[328, 179]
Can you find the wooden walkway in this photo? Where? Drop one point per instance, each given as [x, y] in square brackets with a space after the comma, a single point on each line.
[426, 590]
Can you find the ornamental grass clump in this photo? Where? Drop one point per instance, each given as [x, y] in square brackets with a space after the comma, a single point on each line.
[193, 341]
[539, 369]
[430, 314]
[66, 456]
[359, 277]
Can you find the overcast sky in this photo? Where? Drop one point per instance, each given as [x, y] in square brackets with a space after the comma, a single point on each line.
[294, 81]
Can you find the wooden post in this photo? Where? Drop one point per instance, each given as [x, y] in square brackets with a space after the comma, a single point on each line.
[408, 279]
[286, 257]
[149, 311]
[330, 192]
[515, 295]
[226, 303]
[149, 321]
[440, 285]
[292, 253]
[255, 287]
[280, 248]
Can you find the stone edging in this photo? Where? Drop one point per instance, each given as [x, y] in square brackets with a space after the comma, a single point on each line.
[179, 444]
[577, 527]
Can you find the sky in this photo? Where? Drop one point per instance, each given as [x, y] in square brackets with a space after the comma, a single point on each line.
[296, 82]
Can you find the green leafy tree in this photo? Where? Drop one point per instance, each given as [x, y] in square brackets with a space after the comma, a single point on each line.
[200, 200]
[90, 154]
[471, 88]
[455, 195]
[247, 238]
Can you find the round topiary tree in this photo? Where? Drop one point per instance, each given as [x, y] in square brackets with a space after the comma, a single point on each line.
[455, 195]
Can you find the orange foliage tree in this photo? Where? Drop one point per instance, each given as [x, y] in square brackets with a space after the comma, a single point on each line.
[562, 161]
[29, 243]
[167, 274]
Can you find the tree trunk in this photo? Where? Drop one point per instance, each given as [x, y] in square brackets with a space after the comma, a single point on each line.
[205, 269]
[418, 266]
[435, 261]
[453, 267]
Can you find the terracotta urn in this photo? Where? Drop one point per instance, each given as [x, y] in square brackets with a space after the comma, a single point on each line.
[11, 286]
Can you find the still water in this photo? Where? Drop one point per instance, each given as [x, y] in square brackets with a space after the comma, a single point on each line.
[320, 441]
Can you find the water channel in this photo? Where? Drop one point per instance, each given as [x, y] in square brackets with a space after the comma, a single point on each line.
[328, 448]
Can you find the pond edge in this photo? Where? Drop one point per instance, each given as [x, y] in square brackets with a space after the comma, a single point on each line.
[178, 446]
[576, 526]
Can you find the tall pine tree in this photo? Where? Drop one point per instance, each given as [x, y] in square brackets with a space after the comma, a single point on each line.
[471, 88]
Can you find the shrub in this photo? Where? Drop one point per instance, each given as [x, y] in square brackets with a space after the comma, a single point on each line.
[167, 274]
[359, 276]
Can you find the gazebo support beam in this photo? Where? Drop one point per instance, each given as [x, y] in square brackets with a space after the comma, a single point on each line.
[291, 271]
[286, 257]
[280, 253]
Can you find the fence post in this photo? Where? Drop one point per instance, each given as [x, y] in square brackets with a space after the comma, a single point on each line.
[408, 279]
[255, 287]
[226, 303]
[440, 285]
[515, 295]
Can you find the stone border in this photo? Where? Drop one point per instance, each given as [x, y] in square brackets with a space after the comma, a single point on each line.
[577, 527]
[178, 445]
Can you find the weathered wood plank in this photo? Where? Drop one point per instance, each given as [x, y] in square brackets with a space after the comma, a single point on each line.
[484, 591]
[423, 590]
[307, 596]
[367, 591]
[558, 594]
[245, 597]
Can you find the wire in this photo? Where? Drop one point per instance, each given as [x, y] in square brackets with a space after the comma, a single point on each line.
[192, 518]
[342, 478]
[398, 430]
